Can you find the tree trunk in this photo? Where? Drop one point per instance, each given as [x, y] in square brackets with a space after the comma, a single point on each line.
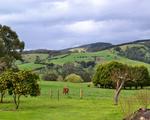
[2, 96]
[15, 101]
[118, 89]
[18, 102]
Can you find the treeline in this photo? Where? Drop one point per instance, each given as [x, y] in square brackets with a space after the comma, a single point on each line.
[54, 72]
[135, 76]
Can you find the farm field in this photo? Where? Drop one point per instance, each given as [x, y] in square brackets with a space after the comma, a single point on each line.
[97, 104]
[105, 56]
[29, 66]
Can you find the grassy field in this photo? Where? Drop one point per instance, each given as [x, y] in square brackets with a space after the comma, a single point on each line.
[104, 56]
[97, 104]
[29, 66]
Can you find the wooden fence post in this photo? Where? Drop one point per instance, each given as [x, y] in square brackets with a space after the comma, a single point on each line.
[58, 94]
[81, 93]
[51, 93]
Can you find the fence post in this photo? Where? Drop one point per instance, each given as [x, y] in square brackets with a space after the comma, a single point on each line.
[81, 93]
[58, 94]
[50, 92]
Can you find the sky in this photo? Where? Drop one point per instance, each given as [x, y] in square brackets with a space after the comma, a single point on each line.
[59, 24]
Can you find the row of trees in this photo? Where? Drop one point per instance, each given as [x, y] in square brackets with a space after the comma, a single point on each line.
[117, 75]
[52, 72]
[17, 84]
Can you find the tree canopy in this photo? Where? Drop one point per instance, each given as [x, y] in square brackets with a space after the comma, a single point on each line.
[10, 47]
[116, 75]
[21, 83]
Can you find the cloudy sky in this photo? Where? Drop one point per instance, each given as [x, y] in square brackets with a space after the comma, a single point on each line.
[58, 24]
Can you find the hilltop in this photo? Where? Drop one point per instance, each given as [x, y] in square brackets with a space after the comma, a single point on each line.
[136, 52]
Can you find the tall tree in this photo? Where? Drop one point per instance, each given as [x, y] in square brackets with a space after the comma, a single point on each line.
[117, 74]
[10, 47]
[24, 83]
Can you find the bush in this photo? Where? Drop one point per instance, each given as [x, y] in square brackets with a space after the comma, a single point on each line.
[74, 78]
[50, 77]
[60, 78]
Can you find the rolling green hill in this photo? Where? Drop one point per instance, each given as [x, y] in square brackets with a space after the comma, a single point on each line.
[99, 57]
[133, 53]
[136, 51]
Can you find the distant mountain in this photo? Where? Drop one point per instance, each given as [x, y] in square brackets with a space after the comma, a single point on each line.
[96, 46]
[136, 50]
[86, 48]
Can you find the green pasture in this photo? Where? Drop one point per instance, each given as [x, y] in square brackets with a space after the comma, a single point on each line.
[103, 56]
[97, 104]
[29, 66]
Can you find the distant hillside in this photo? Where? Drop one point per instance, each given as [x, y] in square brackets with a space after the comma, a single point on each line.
[93, 47]
[86, 48]
[137, 50]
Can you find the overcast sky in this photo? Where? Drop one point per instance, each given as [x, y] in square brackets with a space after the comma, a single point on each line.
[58, 24]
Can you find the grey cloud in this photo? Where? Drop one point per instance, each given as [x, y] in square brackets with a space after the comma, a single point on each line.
[57, 24]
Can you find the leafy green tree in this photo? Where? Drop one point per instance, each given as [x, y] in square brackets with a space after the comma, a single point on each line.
[24, 83]
[50, 77]
[37, 60]
[10, 46]
[117, 74]
[112, 73]
[73, 78]
[102, 76]
[140, 76]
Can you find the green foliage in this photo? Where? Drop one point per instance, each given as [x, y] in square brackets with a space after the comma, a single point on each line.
[24, 83]
[37, 60]
[139, 75]
[18, 84]
[10, 46]
[139, 52]
[104, 72]
[30, 66]
[50, 77]
[60, 78]
[73, 78]
[5, 79]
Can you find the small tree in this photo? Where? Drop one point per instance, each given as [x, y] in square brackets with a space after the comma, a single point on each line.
[140, 76]
[50, 77]
[74, 78]
[118, 74]
[24, 83]
[37, 60]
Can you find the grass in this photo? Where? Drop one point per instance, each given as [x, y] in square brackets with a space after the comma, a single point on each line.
[29, 66]
[104, 56]
[88, 56]
[97, 104]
